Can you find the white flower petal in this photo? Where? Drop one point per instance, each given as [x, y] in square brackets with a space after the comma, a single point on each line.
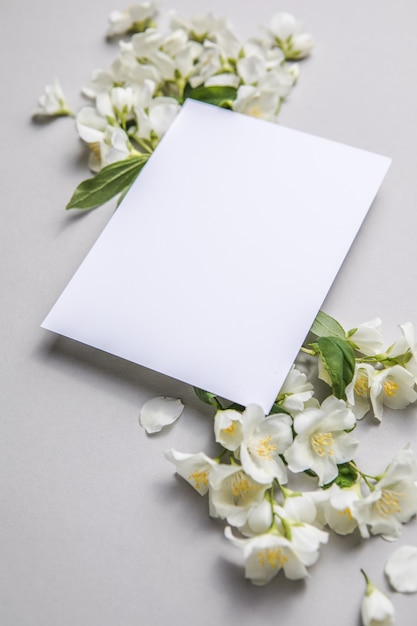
[90, 124]
[367, 337]
[260, 518]
[162, 112]
[284, 25]
[251, 68]
[252, 417]
[295, 391]
[401, 569]
[160, 412]
[222, 80]
[302, 45]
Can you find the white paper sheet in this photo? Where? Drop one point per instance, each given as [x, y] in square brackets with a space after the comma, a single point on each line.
[215, 264]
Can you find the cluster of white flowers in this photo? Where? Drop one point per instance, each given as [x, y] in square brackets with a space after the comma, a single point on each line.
[277, 526]
[382, 378]
[136, 99]
[284, 528]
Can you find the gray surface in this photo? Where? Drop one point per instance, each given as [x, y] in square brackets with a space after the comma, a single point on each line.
[94, 528]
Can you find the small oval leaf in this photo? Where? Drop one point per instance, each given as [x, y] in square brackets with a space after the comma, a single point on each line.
[326, 326]
[109, 181]
[339, 360]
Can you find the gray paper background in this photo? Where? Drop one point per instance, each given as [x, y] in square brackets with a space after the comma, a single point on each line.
[95, 530]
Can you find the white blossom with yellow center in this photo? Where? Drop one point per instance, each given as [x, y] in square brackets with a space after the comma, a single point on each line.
[321, 442]
[256, 102]
[336, 508]
[264, 439]
[265, 555]
[359, 390]
[194, 468]
[258, 441]
[233, 493]
[393, 387]
[228, 429]
[392, 502]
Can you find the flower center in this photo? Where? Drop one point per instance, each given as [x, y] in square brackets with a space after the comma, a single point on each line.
[95, 149]
[255, 111]
[242, 488]
[346, 512]
[272, 556]
[322, 444]
[390, 387]
[389, 503]
[361, 384]
[230, 429]
[199, 479]
[265, 448]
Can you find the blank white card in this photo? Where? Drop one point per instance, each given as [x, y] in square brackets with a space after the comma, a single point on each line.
[214, 266]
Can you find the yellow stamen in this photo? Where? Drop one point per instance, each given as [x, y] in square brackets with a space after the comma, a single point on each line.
[230, 430]
[322, 444]
[361, 387]
[255, 111]
[95, 149]
[346, 512]
[242, 488]
[199, 479]
[390, 387]
[272, 556]
[265, 448]
[389, 503]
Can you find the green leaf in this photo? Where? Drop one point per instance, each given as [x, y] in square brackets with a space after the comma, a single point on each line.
[277, 408]
[207, 397]
[339, 360]
[123, 194]
[110, 181]
[219, 95]
[236, 407]
[401, 359]
[326, 326]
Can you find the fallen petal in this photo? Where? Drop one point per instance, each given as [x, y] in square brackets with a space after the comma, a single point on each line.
[401, 569]
[160, 412]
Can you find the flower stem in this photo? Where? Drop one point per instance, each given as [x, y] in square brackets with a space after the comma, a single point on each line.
[364, 476]
[307, 351]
